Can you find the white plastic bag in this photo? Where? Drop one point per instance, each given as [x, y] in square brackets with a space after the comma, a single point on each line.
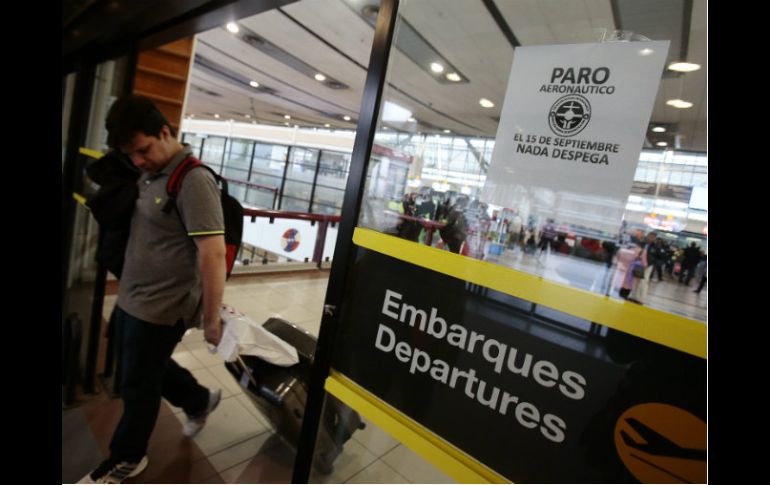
[242, 335]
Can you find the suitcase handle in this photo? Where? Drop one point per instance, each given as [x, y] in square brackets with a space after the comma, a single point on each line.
[245, 370]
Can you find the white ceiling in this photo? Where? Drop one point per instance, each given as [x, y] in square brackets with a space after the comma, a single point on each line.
[332, 37]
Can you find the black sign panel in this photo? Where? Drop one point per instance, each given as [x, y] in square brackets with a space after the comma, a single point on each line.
[534, 400]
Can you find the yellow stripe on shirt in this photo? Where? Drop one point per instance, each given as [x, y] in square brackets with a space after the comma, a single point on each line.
[205, 233]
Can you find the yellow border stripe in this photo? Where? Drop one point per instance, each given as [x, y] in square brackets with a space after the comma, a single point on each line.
[657, 326]
[81, 200]
[91, 153]
[451, 460]
[205, 233]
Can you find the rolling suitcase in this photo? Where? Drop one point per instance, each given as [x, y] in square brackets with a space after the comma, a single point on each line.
[281, 394]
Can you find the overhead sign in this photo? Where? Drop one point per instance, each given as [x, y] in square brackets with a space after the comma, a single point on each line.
[680, 193]
[532, 394]
[571, 130]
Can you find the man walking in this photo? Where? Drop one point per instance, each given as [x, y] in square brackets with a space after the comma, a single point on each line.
[173, 279]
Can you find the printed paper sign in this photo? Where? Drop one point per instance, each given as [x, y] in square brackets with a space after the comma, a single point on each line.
[571, 130]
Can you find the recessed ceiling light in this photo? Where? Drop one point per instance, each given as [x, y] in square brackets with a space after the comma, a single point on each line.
[346, 118]
[287, 117]
[453, 76]
[447, 131]
[662, 144]
[679, 103]
[216, 116]
[436, 67]
[296, 126]
[684, 66]
[247, 116]
[486, 103]
[232, 27]
[320, 77]
[254, 84]
[411, 119]
[659, 129]
[192, 116]
[327, 125]
[287, 123]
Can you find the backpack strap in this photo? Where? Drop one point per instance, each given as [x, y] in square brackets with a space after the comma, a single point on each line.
[174, 182]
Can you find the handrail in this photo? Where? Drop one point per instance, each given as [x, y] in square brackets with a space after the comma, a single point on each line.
[305, 216]
[250, 184]
[426, 223]
[323, 221]
[429, 226]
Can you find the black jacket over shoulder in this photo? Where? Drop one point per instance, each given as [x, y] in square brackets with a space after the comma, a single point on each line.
[112, 205]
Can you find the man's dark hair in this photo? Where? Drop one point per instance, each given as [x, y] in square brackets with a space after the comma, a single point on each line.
[134, 114]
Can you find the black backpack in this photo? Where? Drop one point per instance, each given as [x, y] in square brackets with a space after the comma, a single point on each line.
[231, 208]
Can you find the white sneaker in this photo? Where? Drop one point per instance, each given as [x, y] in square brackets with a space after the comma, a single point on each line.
[195, 424]
[111, 471]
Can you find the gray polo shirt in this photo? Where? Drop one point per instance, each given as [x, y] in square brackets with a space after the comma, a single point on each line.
[160, 282]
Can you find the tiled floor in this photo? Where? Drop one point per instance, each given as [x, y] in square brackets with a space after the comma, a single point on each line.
[238, 444]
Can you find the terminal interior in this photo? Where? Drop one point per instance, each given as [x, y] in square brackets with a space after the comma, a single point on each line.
[272, 103]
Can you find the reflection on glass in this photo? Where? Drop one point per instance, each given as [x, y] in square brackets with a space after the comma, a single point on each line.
[353, 436]
[424, 183]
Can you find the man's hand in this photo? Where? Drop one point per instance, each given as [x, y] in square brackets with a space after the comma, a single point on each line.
[212, 332]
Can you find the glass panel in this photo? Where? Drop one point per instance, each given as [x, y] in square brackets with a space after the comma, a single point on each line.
[195, 142]
[299, 180]
[330, 185]
[213, 151]
[238, 159]
[108, 81]
[328, 200]
[434, 147]
[269, 162]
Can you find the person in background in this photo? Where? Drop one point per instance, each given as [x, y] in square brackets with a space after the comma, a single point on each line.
[690, 260]
[623, 278]
[547, 236]
[173, 279]
[531, 245]
[515, 231]
[657, 258]
[409, 228]
[702, 269]
[455, 230]
[646, 259]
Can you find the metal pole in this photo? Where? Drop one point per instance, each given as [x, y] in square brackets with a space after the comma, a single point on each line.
[320, 242]
[248, 174]
[224, 152]
[345, 251]
[283, 180]
[315, 181]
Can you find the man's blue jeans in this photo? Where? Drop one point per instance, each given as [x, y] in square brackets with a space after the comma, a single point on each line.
[150, 373]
